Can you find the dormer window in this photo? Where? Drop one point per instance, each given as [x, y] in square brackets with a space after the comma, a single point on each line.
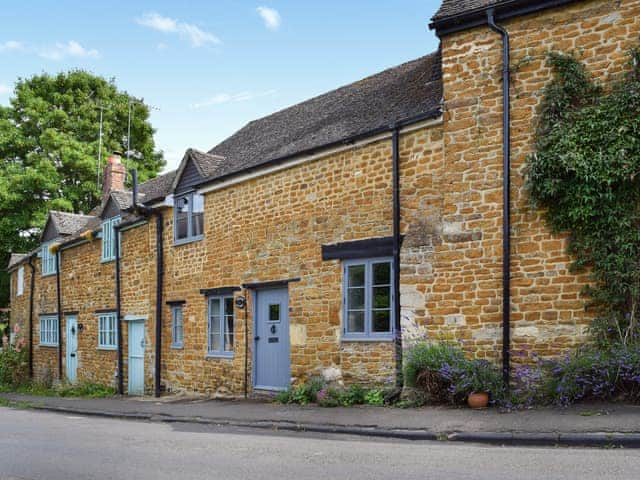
[109, 239]
[49, 266]
[189, 217]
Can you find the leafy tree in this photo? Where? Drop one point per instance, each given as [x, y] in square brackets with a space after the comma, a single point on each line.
[49, 138]
[585, 173]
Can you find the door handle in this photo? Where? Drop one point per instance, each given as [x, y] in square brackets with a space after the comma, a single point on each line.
[73, 355]
[257, 338]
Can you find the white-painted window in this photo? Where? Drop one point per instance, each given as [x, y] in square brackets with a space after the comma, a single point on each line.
[107, 331]
[49, 330]
[177, 335]
[220, 326]
[48, 259]
[109, 239]
[20, 282]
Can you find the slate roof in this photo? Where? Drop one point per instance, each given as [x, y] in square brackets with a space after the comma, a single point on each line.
[396, 94]
[450, 8]
[69, 223]
[157, 188]
[399, 93]
[15, 259]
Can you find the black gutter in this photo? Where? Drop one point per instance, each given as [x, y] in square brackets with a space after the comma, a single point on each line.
[59, 315]
[31, 294]
[504, 11]
[395, 143]
[431, 114]
[116, 230]
[159, 306]
[506, 200]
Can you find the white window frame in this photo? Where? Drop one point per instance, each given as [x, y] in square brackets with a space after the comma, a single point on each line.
[190, 214]
[368, 334]
[107, 331]
[177, 326]
[48, 260]
[109, 238]
[49, 331]
[220, 318]
[20, 282]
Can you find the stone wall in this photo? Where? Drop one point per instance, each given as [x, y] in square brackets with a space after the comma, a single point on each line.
[547, 308]
[272, 228]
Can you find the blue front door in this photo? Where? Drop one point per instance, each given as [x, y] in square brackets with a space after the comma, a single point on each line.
[272, 368]
[72, 348]
[136, 358]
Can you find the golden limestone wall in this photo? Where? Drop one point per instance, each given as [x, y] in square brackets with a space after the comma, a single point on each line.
[272, 228]
[465, 300]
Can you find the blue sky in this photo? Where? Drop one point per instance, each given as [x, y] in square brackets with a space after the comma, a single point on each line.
[209, 67]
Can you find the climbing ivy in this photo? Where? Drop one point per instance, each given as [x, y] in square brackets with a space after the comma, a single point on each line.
[585, 175]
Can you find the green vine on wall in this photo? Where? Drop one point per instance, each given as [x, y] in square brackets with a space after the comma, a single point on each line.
[585, 174]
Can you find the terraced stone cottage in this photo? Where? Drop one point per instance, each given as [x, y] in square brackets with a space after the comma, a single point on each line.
[327, 237]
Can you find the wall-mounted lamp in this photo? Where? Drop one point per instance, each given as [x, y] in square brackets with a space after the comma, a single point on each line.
[241, 302]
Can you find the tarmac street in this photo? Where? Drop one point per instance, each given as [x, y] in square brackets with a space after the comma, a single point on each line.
[45, 445]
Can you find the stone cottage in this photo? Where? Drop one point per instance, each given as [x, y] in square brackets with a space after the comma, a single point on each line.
[327, 237]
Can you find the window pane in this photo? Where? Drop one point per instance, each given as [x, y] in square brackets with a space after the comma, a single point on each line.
[355, 322]
[198, 215]
[381, 321]
[228, 324]
[382, 273]
[381, 297]
[182, 217]
[274, 312]
[355, 298]
[356, 276]
[214, 324]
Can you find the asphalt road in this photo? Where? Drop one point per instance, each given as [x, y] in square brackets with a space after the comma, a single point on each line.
[39, 445]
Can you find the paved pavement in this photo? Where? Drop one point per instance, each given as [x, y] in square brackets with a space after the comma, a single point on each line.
[592, 424]
[44, 445]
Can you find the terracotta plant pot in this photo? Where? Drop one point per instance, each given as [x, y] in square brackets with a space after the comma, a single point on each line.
[478, 400]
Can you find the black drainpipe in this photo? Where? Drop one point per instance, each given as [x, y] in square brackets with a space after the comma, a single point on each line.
[396, 253]
[506, 201]
[159, 282]
[119, 311]
[31, 294]
[59, 294]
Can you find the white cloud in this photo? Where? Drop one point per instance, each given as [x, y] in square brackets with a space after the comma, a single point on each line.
[221, 98]
[69, 49]
[10, 45]
[195, 35]
[270, 16]
[4, 89]
[161, 46]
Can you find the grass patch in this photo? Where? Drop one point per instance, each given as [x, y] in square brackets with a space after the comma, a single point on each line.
[82, 390]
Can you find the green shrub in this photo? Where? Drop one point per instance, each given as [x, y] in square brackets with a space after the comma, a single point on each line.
[592, 374]
[374, 396]
[443, 374]
[14, 366]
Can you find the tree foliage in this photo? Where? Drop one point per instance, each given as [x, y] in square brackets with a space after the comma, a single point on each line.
[585, 173]
[49, 137]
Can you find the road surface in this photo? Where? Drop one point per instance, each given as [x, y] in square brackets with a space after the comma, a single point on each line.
[51, 446]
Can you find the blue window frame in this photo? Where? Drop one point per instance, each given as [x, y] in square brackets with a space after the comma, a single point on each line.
[48, 260]
[177, 332]
[368, 299]
[220, 327]
[49, 330]
[107, 331]
[188, 218]
[109, 239]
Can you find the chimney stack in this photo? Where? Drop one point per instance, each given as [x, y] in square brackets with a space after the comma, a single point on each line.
[115, 174]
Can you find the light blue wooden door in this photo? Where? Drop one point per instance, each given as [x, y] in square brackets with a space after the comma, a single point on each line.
[272, 362]
[72, 348]
[136, 358]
